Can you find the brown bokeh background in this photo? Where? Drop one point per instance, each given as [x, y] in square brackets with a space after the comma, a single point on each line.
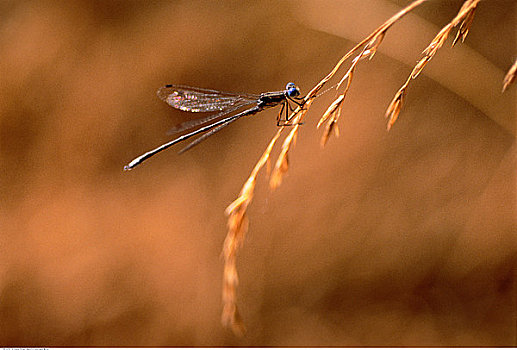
[400, 238]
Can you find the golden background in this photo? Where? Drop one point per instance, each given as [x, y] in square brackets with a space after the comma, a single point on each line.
[399, 238]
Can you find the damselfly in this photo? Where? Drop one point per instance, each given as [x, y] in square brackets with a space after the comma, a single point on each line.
[191, 99]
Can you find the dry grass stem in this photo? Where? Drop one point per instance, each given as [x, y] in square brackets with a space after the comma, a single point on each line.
[375, 37]
[237, 219]
[368, 47]
[464, 20]
[237, 228]
[510, 76]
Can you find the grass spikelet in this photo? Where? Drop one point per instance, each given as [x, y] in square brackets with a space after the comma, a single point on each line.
[466, 21]
[331, 110]
[510, 76]
[392, 113]
[331, 116]
[282, 163]
[329, 127]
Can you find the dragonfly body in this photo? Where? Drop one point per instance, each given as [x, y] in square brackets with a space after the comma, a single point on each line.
[195, 100]
[271, 99]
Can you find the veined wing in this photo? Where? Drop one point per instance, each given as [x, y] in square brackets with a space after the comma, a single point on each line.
[190, 124]
[192, 99]
[225, 122]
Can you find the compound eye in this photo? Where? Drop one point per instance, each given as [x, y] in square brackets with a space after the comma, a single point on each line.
[292, 90]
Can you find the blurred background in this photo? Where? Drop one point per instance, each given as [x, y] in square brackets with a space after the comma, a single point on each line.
[381, 239]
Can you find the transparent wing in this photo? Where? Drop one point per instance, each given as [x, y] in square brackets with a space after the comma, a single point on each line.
[192, 99]
[190, 124]
[208, 134]
[222, 123]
